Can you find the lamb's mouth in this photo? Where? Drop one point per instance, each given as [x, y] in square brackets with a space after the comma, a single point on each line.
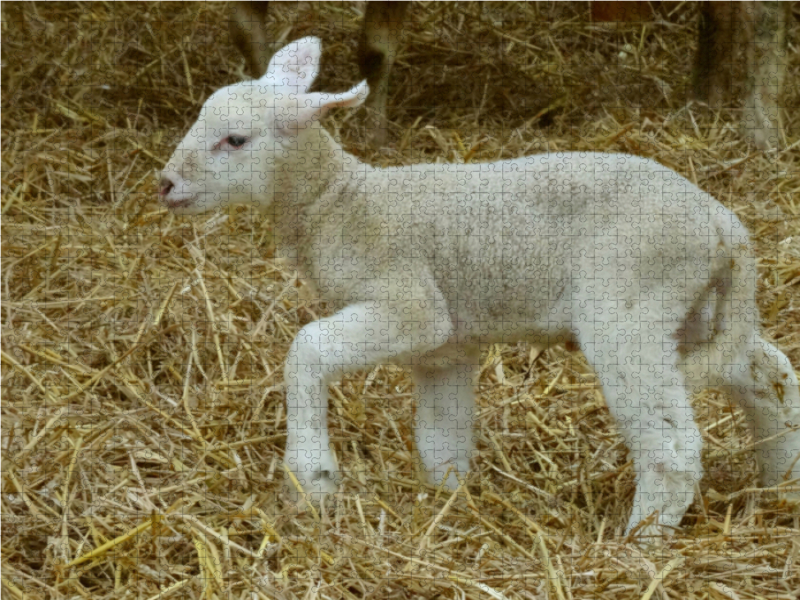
[173, 204]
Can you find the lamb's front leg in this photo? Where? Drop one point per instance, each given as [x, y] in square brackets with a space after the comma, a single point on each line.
[355, 338]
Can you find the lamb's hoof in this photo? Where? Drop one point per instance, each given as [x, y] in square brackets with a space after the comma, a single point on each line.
[451, 482]
[652, 532]
[315, 486]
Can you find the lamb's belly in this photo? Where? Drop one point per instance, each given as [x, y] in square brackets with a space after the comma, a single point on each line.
[533, 307]
[534, 322]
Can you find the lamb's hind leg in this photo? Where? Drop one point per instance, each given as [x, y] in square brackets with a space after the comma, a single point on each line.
[766, 387]
[645, 392]
[443, 424]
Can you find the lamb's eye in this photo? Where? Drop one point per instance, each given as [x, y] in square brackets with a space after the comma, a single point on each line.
[236, 141]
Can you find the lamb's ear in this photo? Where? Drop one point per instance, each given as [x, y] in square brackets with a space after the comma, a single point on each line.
[313, 106]
[296, 64]
[318, 103]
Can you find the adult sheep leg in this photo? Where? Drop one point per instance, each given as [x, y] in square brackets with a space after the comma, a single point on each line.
[355, 338]
[767, 390]
[249, 33]
[443, 423]
[761, 28]
[376, 53]
[712, 78]
[767, 46]
[637, 363]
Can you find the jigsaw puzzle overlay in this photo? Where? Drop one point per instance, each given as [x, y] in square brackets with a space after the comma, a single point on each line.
[400, 300]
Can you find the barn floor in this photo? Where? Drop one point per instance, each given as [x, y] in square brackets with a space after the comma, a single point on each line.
[143, 424]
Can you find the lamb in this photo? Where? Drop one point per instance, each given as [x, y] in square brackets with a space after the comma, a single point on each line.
[652, 278]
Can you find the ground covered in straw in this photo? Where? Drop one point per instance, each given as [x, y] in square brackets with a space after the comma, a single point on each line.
[143, 425]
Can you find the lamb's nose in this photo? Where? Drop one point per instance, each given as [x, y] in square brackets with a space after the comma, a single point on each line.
[165, 186]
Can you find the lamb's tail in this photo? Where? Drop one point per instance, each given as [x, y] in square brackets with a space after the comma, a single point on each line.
[721, 325]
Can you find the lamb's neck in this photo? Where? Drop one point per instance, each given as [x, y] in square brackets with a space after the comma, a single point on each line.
[321, 182]
[320, 169]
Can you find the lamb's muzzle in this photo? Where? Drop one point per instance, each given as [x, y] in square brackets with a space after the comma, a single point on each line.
[651, 276]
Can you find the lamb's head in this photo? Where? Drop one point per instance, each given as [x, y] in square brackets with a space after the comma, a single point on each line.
[251, 136]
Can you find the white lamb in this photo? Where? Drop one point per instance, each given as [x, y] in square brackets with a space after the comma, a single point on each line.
[651, 276]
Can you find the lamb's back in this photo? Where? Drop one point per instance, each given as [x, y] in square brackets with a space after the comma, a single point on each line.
[578, 196]
[538, 230]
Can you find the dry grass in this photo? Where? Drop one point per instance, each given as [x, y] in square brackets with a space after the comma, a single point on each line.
[143, 426]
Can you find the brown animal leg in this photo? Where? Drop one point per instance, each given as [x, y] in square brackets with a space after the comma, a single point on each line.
[766, 70]
[613, 11]
[376, 54]
[248, 28]
[715, 51]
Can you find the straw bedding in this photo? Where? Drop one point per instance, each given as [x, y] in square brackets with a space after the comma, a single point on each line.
[142, 354]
